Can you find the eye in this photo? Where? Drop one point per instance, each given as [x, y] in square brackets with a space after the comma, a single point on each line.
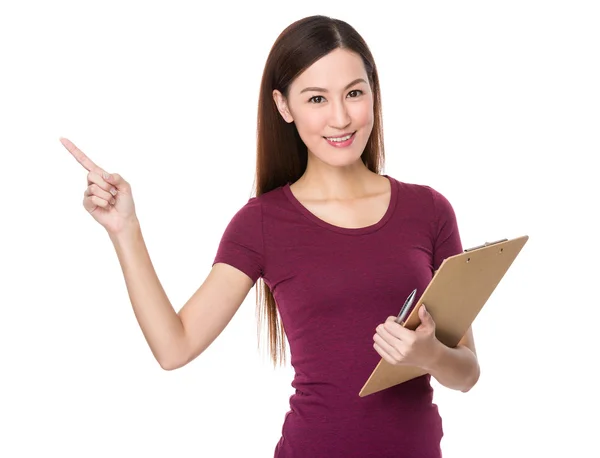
[315, 97]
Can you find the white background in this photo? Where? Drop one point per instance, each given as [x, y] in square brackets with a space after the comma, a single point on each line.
[494, 104]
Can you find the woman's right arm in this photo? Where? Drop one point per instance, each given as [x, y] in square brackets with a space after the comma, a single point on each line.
[174, 338]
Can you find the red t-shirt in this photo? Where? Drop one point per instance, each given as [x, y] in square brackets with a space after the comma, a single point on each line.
[333, 286]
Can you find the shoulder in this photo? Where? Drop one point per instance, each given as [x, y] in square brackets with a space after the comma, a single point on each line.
[252, 212]
[247, 217]
[422, 195]
[427, 200]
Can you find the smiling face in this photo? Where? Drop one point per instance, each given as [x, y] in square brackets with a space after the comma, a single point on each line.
[331, 99]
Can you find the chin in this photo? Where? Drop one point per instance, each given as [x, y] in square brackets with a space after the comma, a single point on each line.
[339, 159]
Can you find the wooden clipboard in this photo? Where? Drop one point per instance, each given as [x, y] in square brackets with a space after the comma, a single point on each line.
[455, 295]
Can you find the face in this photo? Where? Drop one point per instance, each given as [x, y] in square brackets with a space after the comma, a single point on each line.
[331, 99]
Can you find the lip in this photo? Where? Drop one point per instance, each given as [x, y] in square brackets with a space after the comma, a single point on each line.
[343, 144]
[341, 135]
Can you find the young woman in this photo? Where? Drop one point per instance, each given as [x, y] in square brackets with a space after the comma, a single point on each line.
[337, 247]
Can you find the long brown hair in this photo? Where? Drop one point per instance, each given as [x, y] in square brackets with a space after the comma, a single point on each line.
[281, 155]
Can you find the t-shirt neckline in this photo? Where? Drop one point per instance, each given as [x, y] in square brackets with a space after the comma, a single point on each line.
[347, 230]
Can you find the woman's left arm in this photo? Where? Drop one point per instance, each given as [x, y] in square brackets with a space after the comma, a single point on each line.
[456, 368]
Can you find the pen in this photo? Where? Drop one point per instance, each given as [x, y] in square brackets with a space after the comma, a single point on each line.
[406, 307]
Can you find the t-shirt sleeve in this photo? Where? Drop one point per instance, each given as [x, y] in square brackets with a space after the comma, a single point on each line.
[446, 236]
[241, 245]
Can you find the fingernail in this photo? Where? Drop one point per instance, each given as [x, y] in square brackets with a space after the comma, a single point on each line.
[106, 176]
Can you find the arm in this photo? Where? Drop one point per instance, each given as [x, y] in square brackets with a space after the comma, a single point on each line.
[175, 339]
[456, 368]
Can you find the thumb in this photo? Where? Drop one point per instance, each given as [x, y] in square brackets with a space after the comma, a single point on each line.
[426, 319]
[108, 177]
[114, 179]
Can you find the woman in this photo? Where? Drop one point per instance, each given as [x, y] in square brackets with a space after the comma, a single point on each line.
[337, 246]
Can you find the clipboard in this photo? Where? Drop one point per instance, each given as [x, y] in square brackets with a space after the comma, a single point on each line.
[455, 295]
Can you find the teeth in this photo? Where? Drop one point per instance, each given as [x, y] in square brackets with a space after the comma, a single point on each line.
[339, 139]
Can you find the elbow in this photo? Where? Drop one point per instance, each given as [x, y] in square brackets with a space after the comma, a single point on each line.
[178, 356]
[472, 380]
[175, 357]
[175, 361]
[170, 364]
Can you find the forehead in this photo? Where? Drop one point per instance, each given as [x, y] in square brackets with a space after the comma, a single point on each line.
[332, 71]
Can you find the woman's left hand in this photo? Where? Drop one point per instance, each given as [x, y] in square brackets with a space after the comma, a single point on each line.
[401, 346]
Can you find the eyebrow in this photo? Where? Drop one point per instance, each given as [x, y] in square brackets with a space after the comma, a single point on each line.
[320, 89]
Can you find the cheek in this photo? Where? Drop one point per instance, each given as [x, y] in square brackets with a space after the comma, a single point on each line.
[362, 115]
[311, 125]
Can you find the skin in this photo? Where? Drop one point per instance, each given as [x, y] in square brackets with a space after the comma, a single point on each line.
[108, 197]
[335, 184]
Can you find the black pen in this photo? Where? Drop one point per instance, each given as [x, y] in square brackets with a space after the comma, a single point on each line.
[406, 307]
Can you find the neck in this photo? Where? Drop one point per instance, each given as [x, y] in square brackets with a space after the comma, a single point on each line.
[338, 183]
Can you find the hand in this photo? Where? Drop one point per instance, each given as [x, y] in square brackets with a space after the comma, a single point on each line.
[108, 197]
[401, 346]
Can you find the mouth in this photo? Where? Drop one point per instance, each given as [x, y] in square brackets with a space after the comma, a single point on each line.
[342, 140]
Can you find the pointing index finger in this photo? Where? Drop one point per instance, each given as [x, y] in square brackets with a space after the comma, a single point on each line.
[85, 161]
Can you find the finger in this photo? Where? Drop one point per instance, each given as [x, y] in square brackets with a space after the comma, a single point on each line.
[392, 349]
[94, 178]
[100, 201]
[385, 355]
[85, 161]
[396, 330]
[393, 342]
[95, 190]
[91, 203]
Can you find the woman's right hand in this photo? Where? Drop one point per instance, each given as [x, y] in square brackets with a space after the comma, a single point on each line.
[108, 197]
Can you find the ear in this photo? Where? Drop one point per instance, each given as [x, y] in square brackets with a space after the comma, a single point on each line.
[282, 106]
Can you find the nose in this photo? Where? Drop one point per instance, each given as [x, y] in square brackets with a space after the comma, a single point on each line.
[340, 118]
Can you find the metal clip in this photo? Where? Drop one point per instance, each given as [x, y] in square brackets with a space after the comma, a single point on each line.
[486, 244]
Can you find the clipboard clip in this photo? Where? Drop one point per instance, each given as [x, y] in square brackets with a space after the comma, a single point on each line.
[486, 244]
